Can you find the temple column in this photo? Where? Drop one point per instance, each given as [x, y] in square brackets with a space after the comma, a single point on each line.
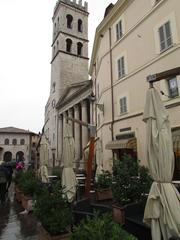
[64, 122]
[60, 138]
[84, 119]
[77, 135]
[71, 123]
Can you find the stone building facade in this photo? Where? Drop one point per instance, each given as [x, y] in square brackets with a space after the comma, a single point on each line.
[18, 144]
[135, 39]
[70, 90]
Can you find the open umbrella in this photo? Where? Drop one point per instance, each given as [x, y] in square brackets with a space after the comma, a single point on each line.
[162, 211]
[11, 163]
[68, 176]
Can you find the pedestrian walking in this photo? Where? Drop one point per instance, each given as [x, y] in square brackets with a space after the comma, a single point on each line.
[9, 176]
[3, 182]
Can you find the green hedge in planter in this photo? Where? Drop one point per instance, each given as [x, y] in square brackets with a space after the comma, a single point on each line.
[104, 180]
[100, 228]
[17, 177]
[28, 183]
[53, 211]
[130, 180]
[57, 171]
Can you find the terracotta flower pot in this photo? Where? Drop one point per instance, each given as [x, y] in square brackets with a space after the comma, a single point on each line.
[18, 194]
[44, 235]
[104, 194]
[27, 203]
[118, 213]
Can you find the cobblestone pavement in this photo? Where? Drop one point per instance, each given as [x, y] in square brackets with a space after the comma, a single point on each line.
[13, 224]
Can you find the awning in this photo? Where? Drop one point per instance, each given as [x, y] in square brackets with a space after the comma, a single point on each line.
[123, 143]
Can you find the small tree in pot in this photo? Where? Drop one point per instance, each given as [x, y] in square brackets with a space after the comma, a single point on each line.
[131, 182]
[103, 185]
[54, 213]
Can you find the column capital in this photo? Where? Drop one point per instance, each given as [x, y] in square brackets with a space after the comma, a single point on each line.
[84, 103]
[70, 110]
[64, 114]
[60, 116]
[76, 107]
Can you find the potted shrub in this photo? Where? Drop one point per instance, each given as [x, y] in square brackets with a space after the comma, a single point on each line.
[131, 182]
[103, 186]
[100, 228]
[54, 214]
[17, 180]
[28, 184]
[57, 171]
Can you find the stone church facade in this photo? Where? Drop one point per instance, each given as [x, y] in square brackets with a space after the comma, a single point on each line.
[70, 90]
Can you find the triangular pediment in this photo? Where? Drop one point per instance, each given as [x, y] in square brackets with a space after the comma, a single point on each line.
[72, 91]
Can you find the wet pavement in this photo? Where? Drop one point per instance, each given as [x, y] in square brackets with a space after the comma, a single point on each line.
[13, 224]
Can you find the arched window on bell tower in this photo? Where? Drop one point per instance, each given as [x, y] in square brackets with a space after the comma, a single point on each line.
[69, 21]
[79, 48]
[80, 29]
[54, 49]
[68, 44]
[54, 29]
[57, 45]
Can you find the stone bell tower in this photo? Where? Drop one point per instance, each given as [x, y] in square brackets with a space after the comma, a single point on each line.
[69, 45]
[69, 63]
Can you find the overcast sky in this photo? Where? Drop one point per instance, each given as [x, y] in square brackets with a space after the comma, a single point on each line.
[25, 55]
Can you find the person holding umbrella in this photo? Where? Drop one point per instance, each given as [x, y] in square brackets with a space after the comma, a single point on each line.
[3, 182]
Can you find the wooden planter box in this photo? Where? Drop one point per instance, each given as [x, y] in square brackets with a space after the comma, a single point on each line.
[118, 213]
[104, 194]
[18, 194]
[44, 235]
[27, 203]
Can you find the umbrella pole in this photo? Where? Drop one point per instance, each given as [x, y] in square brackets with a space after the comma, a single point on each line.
[89, 168]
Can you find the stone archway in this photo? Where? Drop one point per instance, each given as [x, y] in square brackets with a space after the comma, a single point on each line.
[7, 156]
[19, 156]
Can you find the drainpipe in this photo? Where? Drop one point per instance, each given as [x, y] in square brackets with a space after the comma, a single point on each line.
[57, 138]
[112, 91]
[96, 97]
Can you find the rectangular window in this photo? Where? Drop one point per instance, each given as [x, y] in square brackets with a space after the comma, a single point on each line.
[119, 32]
[121, 67]
[173, 87]
[123, 105]
[165, 36]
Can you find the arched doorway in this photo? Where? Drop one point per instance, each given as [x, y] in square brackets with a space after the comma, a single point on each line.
[7, 156]
[19, 156]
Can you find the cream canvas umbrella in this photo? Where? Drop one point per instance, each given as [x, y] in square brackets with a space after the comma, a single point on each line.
[162, 211]
[68, 175]
[43, 151]
[43, 174]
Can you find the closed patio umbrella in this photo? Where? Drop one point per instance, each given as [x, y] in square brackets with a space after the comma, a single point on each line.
[43, 174]
[162, 211]
[68, 175]
[43, 151]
